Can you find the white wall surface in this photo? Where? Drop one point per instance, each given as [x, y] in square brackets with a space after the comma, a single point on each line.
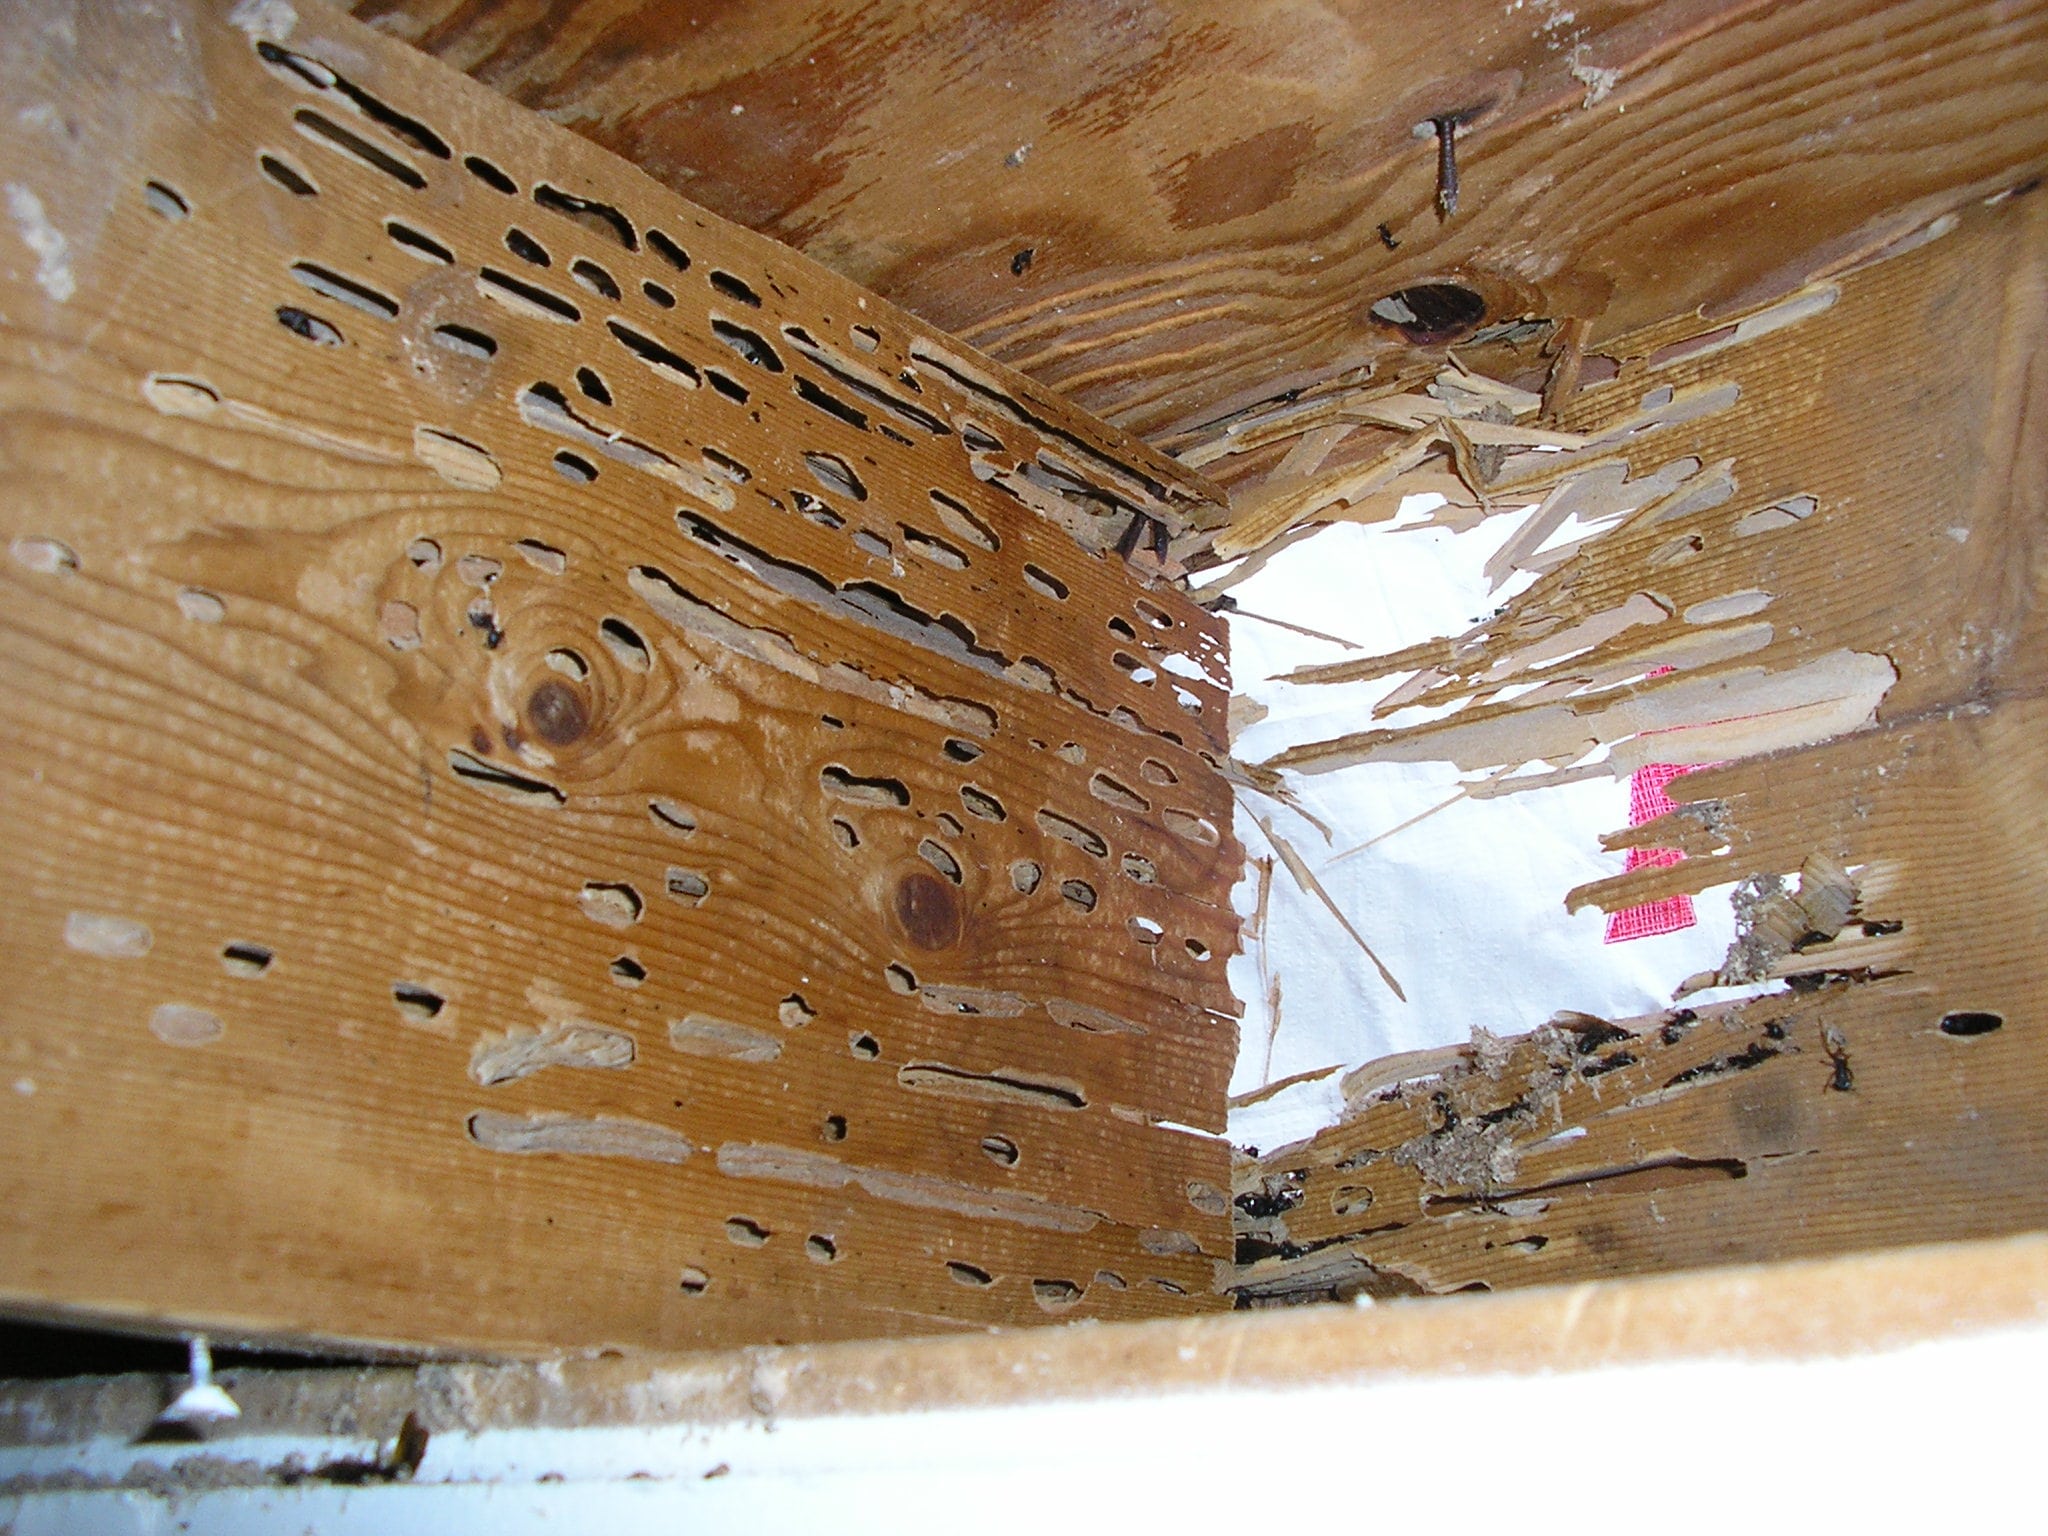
[1466, 906]
[1936, 1436]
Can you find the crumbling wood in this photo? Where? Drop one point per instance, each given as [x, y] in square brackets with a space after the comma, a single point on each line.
[1891, 872]
[1761, 563]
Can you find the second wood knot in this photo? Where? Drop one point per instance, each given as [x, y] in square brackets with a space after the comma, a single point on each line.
[558, 712]
[929, 910]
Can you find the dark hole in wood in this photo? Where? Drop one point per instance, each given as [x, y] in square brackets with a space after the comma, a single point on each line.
[1971, 1023]
[671, 815]
[286, 176]
[466, 339]
[526, 248]
[600, 217]
[408, 130]
[751, 345]
[416, 1001]
[650, 351]
[574, 468]
[626, 644]
[668, 250]
[593, 277]
[476, 771]
[1045, 582]
[539, 297]
[746, 1232]
[245, 959]
[310, 326]
[844, 785]
[1428, 313]
[836, 475]
[830, 403]
[941, 859]
[735, 288]
[166, 201]
[333, 134]
[413, 240]
[729, 466]
[490, 175]
[345, 290]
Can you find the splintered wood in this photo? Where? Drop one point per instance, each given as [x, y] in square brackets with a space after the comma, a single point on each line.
[1803, 546]
[573, 779]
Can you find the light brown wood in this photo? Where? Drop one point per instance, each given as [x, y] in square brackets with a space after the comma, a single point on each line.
[1175, 213]
[572, 779]
[1856, 515]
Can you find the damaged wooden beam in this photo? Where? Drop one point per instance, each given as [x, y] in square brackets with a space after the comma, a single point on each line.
[1825, 596]
[574, 779]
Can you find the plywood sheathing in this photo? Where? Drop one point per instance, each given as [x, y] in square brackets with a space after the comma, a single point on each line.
[1175, 213]
[1886, 843]
[573, 778]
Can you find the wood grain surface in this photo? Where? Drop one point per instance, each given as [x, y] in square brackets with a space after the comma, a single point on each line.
[1175, 212]
[572, 779]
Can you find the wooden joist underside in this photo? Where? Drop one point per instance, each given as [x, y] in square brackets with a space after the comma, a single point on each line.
[1175, 212]
[574, 778]
[571, 777]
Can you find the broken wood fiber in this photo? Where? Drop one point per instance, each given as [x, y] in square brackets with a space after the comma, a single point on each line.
[1809, 589]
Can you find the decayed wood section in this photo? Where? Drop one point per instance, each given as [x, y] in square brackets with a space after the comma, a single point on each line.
[1175, 212]
[572, 778]
[1805, 547]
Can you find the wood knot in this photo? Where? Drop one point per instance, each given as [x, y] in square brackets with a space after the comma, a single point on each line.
[558, 712]
[929, 910]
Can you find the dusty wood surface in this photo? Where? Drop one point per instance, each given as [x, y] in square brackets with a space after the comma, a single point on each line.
[1175, 212]
[1834, 1307]
[1827, 536]
[572, 779]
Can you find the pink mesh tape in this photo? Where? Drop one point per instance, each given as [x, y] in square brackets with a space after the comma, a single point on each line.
[1648, 798]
